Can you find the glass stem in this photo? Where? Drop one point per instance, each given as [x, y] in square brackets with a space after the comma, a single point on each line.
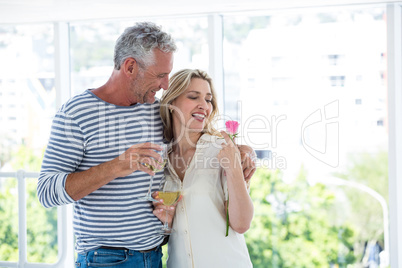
[166, 226]
[150, 186]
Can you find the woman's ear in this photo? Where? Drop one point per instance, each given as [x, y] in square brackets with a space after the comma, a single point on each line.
[170, 107]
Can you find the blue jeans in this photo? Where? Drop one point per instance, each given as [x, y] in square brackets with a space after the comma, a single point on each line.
[120, 258]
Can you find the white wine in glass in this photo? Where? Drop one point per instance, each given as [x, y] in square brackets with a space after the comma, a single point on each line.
[169, 198]
[169, 192]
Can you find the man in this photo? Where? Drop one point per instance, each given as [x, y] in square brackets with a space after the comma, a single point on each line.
[101, 146]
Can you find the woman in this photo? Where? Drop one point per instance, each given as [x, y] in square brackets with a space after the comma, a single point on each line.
[209, 167]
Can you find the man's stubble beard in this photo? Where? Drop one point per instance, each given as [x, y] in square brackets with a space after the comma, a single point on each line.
[138, 86]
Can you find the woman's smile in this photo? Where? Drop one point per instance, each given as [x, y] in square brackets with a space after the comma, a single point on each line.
[199, 117]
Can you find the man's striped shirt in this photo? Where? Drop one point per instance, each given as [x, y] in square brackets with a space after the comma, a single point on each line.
[86, 132]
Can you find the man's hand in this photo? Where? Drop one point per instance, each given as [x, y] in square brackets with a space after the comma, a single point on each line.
[248, 159]
[139, 157]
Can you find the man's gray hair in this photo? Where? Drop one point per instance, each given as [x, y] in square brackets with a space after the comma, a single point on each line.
[139, 41]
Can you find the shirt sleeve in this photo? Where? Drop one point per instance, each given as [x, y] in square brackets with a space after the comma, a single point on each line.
[63, 155]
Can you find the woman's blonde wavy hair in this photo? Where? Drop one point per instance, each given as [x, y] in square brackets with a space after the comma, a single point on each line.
[178, 84]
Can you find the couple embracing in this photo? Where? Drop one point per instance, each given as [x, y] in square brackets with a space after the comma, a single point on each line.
[104, 141]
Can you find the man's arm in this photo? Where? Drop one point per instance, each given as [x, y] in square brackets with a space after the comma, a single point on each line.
[63, 155]
[80, 184]
[248, 159]
[59, 182]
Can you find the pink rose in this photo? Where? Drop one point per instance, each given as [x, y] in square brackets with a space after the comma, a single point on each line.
[231, 127]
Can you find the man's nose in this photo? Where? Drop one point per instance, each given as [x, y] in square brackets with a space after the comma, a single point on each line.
[165, 83]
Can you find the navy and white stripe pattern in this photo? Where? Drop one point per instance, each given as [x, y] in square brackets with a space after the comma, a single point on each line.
[86, 132]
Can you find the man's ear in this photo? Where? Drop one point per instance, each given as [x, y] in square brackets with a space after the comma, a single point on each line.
[130, 67]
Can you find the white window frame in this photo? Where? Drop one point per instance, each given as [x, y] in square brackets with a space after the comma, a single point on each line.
[394, 47]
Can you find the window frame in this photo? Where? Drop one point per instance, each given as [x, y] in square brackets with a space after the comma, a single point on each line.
[394, 59]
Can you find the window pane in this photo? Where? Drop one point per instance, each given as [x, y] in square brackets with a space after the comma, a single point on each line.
[313, 94]
[27, 94]
[8, 220]
[41, 228]
[92, 48]
[27, 106]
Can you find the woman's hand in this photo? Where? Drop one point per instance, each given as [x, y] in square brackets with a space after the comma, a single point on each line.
[160, 209]
[245, 153]
[229, 156]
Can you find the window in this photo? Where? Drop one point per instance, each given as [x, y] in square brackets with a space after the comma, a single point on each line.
[92, 46]
[278, 85]
[318, 182]
[28, 105]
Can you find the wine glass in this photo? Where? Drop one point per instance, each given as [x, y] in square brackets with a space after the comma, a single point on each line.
[164, 154]
[169, 192]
